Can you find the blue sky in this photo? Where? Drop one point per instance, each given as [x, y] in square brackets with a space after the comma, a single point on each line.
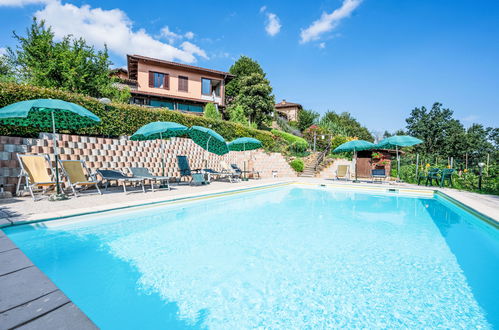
[376, 59]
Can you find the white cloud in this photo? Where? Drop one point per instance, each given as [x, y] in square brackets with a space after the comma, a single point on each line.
[20, 3]
[3, 51]
[189, 35]
[113, 28]
[328, 22]
[322, 45]
[273, 24]
[263, 9]
[170, 35]
[470, 118]
[193, 49]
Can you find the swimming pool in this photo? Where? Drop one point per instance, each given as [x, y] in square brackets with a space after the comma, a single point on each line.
[288, 257]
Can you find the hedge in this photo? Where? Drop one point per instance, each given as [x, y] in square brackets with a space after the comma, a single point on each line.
[297, 164]
[295, 142]
[123, 119]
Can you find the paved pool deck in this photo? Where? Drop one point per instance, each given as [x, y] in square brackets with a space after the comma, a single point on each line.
[29, 300]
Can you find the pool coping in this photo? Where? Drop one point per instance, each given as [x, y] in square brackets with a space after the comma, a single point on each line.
[42, 305]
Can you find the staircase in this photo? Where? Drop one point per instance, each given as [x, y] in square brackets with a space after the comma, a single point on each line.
[315, 163]
[310, 164]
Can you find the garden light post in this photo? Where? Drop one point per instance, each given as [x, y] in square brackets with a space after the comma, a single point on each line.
[480, 167]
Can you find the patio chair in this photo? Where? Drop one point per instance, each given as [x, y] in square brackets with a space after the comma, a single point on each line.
[378, 174]
[446, 175]
[34, 170]
[212, 173]
[253, 173]
[77, 174]
[233, 175]
[113, 175]
[142, 172]
[342, 172]
[185, 169]
[433, 174]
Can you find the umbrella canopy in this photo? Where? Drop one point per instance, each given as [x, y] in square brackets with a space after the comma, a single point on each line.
[44, 113]
[354, 145]
[208, 139]
[159, 130]
[398, 141]
[244, 143]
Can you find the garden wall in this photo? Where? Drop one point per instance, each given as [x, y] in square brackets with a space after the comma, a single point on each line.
[107, 153]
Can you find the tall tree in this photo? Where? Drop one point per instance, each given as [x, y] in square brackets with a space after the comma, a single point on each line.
[6, 69]
[430, 126]
[256, 99]
[306, 118]
[243, 67]
[70, 64]
[236, 115]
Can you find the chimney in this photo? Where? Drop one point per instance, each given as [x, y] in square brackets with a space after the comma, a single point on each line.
[283, 101]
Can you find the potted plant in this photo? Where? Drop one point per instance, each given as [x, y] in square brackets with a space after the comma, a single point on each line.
[376, 155]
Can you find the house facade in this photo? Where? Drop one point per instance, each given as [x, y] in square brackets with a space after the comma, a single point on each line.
[182, 87]
[288, 110]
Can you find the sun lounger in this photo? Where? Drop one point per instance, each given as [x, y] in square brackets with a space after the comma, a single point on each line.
[378, 174]
[253, 173]
[142, 172]
[342, 172]
[234, 176]
[112, 175]
[77, 174]
[34, 170]
[185, 169]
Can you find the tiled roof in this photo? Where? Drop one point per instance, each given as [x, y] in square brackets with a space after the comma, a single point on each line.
[134, 58]
[285, 104]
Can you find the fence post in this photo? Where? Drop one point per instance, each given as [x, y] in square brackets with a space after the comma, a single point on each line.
[466, 160]
[488, 160]
[452, 162]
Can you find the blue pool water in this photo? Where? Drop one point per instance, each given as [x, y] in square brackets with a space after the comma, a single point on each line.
[292, 257]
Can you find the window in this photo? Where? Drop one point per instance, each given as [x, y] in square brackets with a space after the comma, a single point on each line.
[206, 86]
[210, 86]
[183, 84]
[159, 80]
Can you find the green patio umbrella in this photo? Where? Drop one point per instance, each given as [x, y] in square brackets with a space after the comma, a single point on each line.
[396, 141]
[48, 113]
[159, 130]
[354, 145]
[208, 139]
[243, 144]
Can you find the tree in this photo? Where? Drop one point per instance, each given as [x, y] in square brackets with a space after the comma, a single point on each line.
[306, 118]
[477, 141]
[429, 126]
[70, 64]
[243, 67]
[211, 111]
[6, 70]
[236, 115]
[344, 124]
[256, 99]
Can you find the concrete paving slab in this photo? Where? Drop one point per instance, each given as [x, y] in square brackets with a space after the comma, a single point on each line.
[13, 260]
[5, 243]
[31, 310]
[67, 316]
[23, 286]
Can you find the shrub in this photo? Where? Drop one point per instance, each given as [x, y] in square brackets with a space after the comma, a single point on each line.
[297, 164]
[211, 112]
[122, 119]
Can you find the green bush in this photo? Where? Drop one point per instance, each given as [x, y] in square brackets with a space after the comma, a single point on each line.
[211, 112]
[297, 164]
[123, 119]
[296, 143]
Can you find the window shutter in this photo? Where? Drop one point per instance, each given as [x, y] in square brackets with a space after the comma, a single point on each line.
[166, 84]
[183, 84]
[151, 79]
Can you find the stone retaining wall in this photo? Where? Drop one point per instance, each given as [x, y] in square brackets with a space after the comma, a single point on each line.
[104, 153]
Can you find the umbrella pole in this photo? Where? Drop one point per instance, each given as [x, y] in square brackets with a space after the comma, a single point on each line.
[206, 153]
[398, 162]
[56, 154]
[244, 171]
[162, 155]
[355, 156]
